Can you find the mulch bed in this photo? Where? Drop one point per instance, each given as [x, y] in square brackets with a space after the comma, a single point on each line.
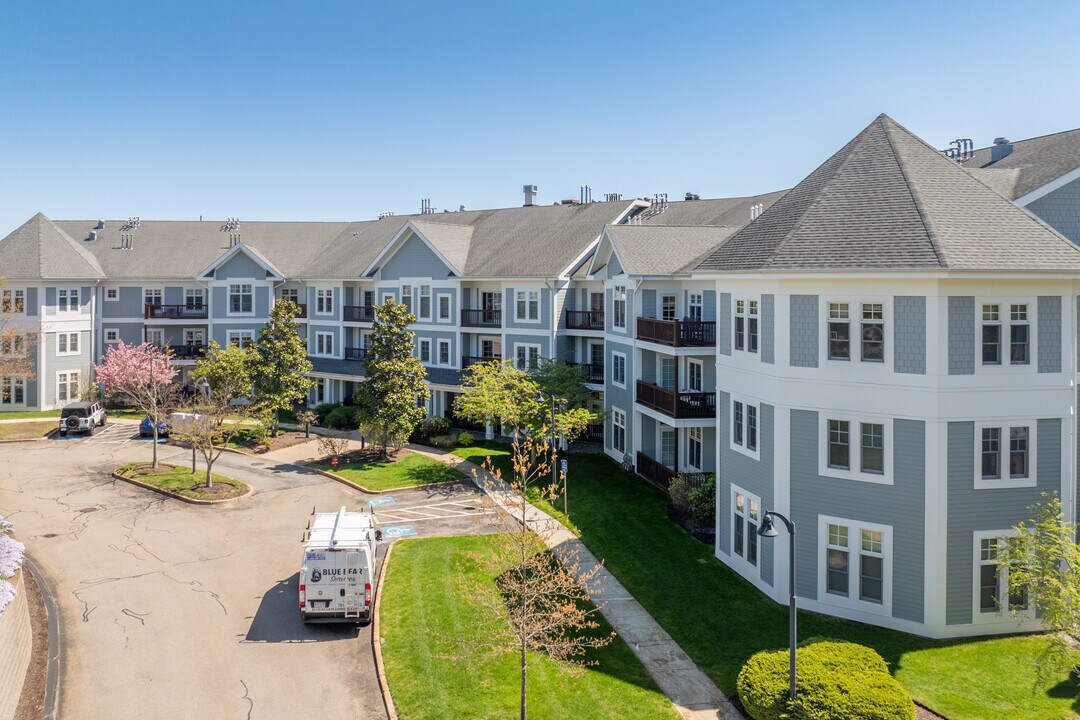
[369, 455]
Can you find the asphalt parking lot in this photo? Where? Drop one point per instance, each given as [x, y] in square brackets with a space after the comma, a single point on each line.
[171, 610]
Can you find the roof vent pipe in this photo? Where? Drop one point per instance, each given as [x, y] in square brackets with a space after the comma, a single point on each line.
[1002, 148]
[93, 236]
[530, 194]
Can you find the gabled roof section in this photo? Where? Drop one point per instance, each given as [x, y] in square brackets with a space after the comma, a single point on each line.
[1035, 162]
[663, 250]
[889, 201]
[251, 252]
[40, 250]
[450, 243]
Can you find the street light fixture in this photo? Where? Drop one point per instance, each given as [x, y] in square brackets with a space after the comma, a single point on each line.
[554, 450]
[768, 529]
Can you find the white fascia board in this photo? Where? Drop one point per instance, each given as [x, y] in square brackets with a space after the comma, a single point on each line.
[1048, 188]
[230, 253]
[395, 244]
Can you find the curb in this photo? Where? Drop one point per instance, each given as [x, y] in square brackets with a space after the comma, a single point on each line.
[54, 661]
[364, 490]
[376, 640]
[177, 496]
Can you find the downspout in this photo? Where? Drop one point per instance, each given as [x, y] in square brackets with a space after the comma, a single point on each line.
[1070, 509]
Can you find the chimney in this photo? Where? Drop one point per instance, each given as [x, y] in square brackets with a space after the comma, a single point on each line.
[530, 194]
[1002, 148]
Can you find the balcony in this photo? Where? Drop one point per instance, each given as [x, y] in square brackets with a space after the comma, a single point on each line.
[674, 404]
[677, 333]
[359, 313]
[467, 360]
[357, 354]
[655, 470]
[187, 352]
[593, 373]
[593, 433]
[177, 312]
[585, 320]
[481, 318]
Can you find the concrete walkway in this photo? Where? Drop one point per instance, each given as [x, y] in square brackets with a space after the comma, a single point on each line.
[694, 695]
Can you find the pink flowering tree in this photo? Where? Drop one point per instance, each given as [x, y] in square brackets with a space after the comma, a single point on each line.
[142, 375]
[11, 557]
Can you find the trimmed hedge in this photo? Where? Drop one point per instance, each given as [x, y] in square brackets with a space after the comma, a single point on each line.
[835, 679]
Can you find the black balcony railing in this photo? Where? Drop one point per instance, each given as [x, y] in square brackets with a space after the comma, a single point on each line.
[176, 312]
[655, 470]
[467, 360]
[358, 354]
[190, 350]
[359, 313]
[593, 373]
[481, 318]
[585, 319]
[593, 433]
[677, 404]
[677, 333]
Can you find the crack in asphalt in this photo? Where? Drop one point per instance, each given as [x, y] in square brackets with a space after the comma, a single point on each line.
[247, 696]
[133, 614]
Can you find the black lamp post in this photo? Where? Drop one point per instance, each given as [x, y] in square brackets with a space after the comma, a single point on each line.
[554, 451]
[768, 529]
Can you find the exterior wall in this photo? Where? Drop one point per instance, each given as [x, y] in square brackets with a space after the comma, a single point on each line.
[723, 325]
[219, 303]
[63, 363]
[129, 303]
[622, 398]
[240, 266]
[1049, 334]
[961, 335]
[1061, 210]
[455, 312]
[422, 333]
[130, 333]
[509, 306]
[510, 339]
[414, 259]
[334, 330]
[768, 322]
[909, 334]
[804, 331]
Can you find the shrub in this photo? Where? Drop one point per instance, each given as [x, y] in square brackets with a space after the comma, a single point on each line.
[340, 418]
[429, 428]
[702, 501]
[679, 491]
[323, 411]
[465, 439]
[442, 441]
[835, 680]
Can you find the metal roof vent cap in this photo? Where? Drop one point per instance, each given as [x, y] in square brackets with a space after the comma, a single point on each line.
[1002, 148]
[92, 237]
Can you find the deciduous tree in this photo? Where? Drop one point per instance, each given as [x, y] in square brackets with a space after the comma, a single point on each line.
[18, 337]
[281, 366]
[391, 398]
[143, 376]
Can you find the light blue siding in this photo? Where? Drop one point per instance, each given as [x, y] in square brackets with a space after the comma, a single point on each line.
[768, 332]
[971, 510]
[1049, 334]
[510, 309]
[1060, 209]
[415, 259]
[804, 331]
[900, 505]
[961, 335]
[129, 304]
[454, 313]
[909, 335]
[32, 301]
[173, 296]
[723, 335]
[614, 267]
[622, 398]
[50, 302]
[240, 266]
[63, 363]
[648, 303]
[708, 306]
[130, 333]
[509, 340]
[314, 328]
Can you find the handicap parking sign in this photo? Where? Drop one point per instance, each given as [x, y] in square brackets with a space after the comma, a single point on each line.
[381, 501]
[398, 531]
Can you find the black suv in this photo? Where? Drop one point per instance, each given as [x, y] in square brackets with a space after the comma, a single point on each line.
[81, 417]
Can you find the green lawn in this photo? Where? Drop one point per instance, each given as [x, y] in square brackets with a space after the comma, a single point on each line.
[721, 620]
[435, 670]
[20, 414]
[180, 480]
[410, 470]
[27, 430]
[484, 449]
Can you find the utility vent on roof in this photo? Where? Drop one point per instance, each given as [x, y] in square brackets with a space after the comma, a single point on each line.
[230, 225]
[586, 194]
[234, 239]
[425, 206]
[1002, 148]
[612, 197]
[692, 196]
[127, 241]
[384, 215]
[960, 149]
[131, 224]
[658, 205]
[100, 225]
[755, 211]
[530, 194]
[92, 237]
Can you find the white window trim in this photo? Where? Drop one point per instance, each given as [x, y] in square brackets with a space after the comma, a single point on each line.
[855, 333]
[328, 292]
[69, 351]
[68, 310]
[72, 385]
[156, 289]
[744, 565]
[977, 616]
[539, 303]
[439, 299]
[201, 292]
[228, 299]
[449, 355]
[330, 343]
[1003, 303]
[420, 343]
[615, 413]
[852, 601]
[615, 354]
[855, 448]
[1006, 482]
[701, 374]
[105, 335]
[689, 437]
[742, 449]
[527, 346]
[625, 327]
[690, 302]
[112, 290]
[420, 303]
[746, 300]
[240, 334]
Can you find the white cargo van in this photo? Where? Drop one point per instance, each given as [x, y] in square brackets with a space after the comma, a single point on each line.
[337, 575]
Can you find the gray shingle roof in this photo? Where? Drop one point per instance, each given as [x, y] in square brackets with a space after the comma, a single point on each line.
[887, 200]
[38, 249]
[1035, 161]
[664, 250]
[733, 212]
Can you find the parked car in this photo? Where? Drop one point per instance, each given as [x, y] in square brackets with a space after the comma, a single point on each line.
[146, 428]
[81, 417]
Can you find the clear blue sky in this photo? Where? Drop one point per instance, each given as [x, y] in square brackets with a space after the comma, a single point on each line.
[340, 110]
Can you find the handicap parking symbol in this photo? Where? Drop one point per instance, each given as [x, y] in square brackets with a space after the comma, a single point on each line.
[398, 531]
[381, 501]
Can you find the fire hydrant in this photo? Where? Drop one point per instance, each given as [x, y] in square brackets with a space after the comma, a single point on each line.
[333, 462]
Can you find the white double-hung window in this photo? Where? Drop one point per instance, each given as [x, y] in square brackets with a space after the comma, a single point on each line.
[992, 592]
[67, 300]
[425, 302]
[618, 430]
[527, 306]
[856, 564]
[67, 343]
[855, 448]
[1005, 455]
[324, 301]
[618, 307]
[240, 299]
[745, 518]
[744, 427]
[324, 343]
[1005, 332]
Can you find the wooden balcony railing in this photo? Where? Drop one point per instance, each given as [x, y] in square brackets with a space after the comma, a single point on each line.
[593, 373]
[467, 360]
[359, 313]
[655, 470]
[677, 404]
[184, 352]
[356, 353]
[585, 319]
[677, 333]
[176, 312]
[481, 318]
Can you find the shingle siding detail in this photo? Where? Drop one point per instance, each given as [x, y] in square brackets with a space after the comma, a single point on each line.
[768, 313]
[804, 331]
[1061, 210]
[909, 335]
[961, 335]
[1049, 338]
[723, 338]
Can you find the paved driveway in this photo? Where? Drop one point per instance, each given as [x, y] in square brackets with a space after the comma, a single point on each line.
[171, 610]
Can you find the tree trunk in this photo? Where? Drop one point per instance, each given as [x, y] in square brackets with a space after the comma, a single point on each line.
[274, 425]
[524, 677]
[192, 457]
[209, 474]
[153, 464]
